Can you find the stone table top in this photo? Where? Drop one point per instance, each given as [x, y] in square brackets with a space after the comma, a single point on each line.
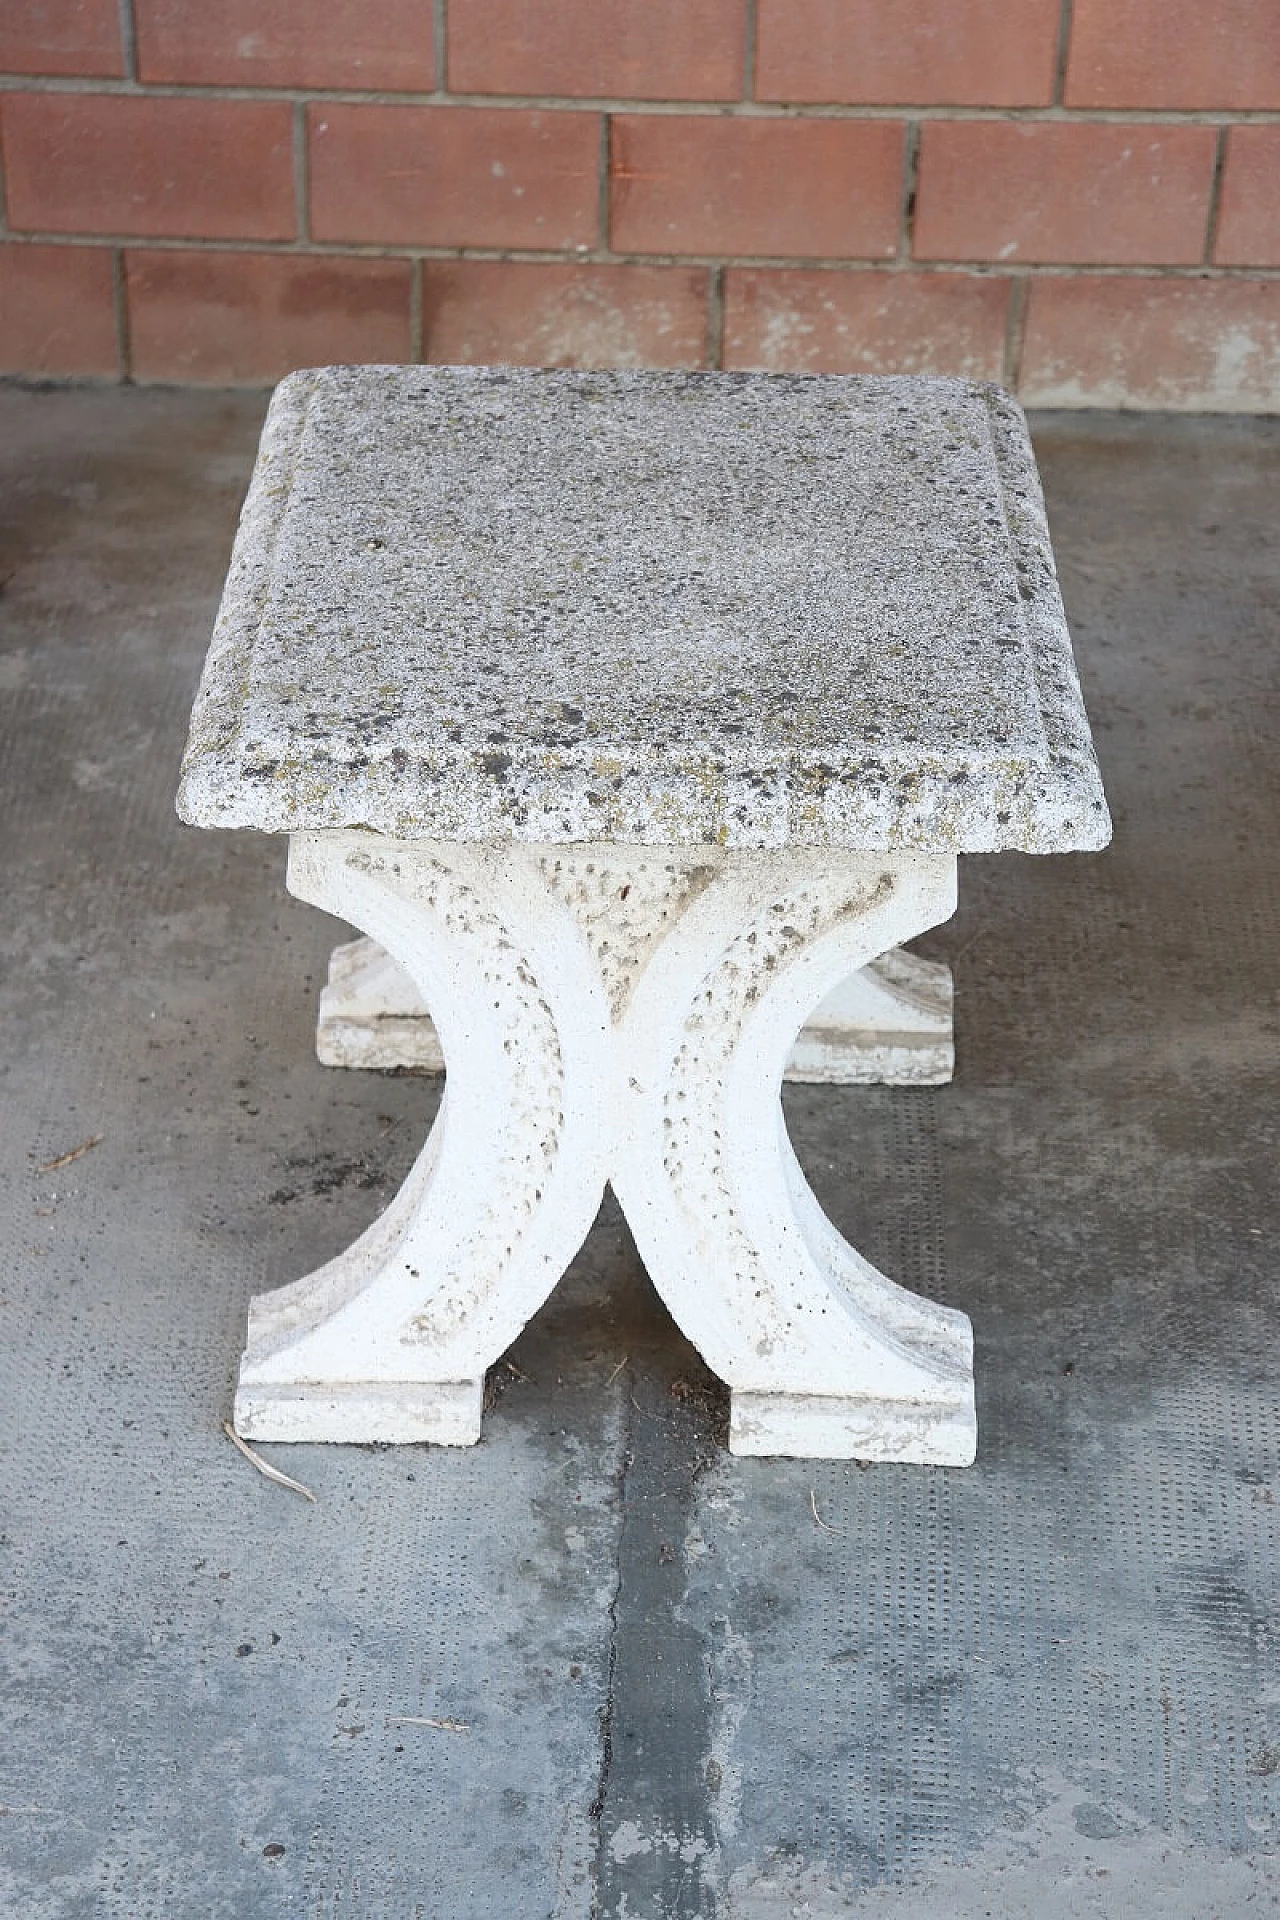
[669, 608]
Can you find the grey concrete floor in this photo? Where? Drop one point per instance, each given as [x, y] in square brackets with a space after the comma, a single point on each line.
[669, 1683]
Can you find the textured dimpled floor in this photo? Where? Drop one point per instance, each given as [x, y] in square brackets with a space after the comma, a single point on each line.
[594, 1667]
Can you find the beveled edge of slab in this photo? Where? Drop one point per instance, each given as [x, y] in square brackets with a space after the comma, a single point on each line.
[900, 802]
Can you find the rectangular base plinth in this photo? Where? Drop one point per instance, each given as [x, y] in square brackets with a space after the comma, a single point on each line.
[839, 1056]
[400, 1412]
[802, 1426]
[889, 1025]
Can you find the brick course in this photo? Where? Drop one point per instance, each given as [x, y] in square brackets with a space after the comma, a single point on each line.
[57, 311]
[1249, 229]
[633, 49]
[1081, 196]
[287, 43]
[250, 317]
[454, 176]
[80, 37]
[979, 53]
[1189, 54]
[827, 321]
[117, 163]
[545, 314]
[1212, 345]
[725, 186]
[1096, 194]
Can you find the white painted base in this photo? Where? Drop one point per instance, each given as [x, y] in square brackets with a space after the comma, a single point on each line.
[446, 1412]
[616, 1015]
[889, 1024]
[829, 1427]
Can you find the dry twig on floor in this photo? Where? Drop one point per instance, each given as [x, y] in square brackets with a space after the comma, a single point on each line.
[264, 1466]
[813, 1508]
[65, 1159]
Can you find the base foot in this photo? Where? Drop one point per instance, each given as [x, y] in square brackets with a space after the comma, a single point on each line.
[801, 1426]
[445, 1412]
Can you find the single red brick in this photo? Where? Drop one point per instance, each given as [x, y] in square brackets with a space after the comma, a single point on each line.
[713, 185]
[1174, 53]
[61, 36]
[1098, 193]
[290, 43]
[104, 163]
[57, 310]
[454, 176]
[251, 317]
[634, 49]
[819, 320]
[1115, 341]
[981, 53]
[544, 314]
[1249, 224]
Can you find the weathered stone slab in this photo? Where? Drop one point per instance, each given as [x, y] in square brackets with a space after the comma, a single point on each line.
[483, 604]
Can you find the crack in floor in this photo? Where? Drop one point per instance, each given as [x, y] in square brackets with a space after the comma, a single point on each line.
[596, 1809]
[657, 1851]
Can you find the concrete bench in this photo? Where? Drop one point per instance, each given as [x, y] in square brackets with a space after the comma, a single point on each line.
[631, 716]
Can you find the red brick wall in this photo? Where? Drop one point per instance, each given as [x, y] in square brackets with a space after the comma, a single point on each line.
[1078, 197]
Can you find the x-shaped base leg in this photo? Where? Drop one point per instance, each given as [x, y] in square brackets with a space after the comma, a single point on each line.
[617, 1015]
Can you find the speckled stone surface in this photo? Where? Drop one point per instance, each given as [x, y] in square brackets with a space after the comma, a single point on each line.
[664, 608]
